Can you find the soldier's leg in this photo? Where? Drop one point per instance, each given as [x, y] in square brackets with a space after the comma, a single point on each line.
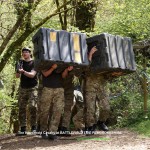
[33, 108]
[46, 99]
[23, 100]
[58, 106]
[38, 111]
[68, 103]
[40, 87]
[78, 119]
[97, 109]
[90, 108]
[22, 103]
[89, 93]
[104, 110]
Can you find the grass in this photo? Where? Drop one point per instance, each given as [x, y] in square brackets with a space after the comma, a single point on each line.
[142, 127]
[95, 139]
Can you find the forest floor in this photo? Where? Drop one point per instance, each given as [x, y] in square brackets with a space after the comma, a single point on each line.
[112, 140]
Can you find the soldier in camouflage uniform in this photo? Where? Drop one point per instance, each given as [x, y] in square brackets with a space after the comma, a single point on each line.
[40, 88]
[27, 91]
[69, 97]
[95, 90]
[68, 103]
[103, 105]
[78, 118]
[52, 101]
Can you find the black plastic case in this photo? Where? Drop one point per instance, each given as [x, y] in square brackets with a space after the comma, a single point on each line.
[61, 47]
[114, 54]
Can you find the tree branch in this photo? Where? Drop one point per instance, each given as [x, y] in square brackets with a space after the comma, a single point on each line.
[56, 12]
[2, 109]
[2, 36]
[60, 16]
[36, 4]
[12, 48]
[65, 16]
[25, 34]
[29, 14]
[11, 33]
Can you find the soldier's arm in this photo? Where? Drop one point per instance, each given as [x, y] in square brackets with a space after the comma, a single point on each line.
[92, 51]
[66, 71]
[28, 74]
[49, 71]
[17, 75]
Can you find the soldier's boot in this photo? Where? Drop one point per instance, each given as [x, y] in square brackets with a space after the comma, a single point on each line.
[38, 128]
[44, 135]
[52, 137]
[59, 132]
[101, 125]
[94, 127]
[33, 129]
[38, 131]
[63, 131]
[86, 130]
[22, 131]
[81, 131]
[90, 130]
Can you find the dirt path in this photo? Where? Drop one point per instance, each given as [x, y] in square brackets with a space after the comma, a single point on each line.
[113, 140]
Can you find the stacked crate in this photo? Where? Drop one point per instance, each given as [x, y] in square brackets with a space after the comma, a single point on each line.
[114, 55]
[61, 47]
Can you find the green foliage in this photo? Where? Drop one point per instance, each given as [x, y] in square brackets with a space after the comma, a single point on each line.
[5, 104]
[127, 18]
[127, 100]
[8, 77]
[142, 126]
[7, 97]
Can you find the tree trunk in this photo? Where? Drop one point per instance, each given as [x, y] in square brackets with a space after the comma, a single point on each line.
[85, 15]
[27, 31]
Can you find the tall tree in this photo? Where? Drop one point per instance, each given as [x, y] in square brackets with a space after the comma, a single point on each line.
[85, 14]
[62, 16]
[26, 10]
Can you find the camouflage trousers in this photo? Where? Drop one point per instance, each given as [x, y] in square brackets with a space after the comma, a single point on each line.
[78, 119]
[96, 91]
[52, 104]
[67, 108]
[40, 87]
[27, 97]
[102, 108]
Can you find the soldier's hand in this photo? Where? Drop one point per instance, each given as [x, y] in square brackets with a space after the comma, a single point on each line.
[54, 66]
[21, 71]
[92, 51]
[70, 68]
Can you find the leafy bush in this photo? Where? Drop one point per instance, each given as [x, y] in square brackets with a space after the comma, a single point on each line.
[5, 108]
[7, 97]
[127, 100]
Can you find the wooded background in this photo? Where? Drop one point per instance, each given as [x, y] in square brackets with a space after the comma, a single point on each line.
[20, 19]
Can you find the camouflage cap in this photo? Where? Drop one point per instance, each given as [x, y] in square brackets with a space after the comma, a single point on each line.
[26, 49]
